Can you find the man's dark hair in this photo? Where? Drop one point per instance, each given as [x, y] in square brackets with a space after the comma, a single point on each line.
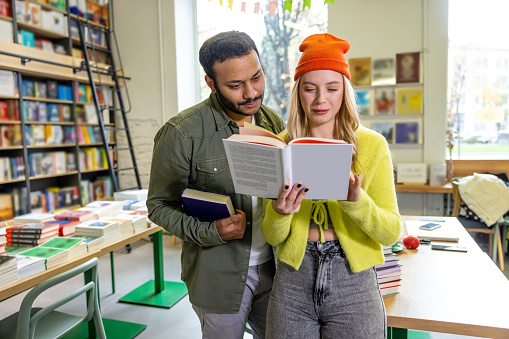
[223, 46]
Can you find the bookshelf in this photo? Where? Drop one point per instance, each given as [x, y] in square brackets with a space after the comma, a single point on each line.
[46, 105]
[390, 96]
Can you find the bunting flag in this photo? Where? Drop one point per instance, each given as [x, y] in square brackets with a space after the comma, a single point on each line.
[288, 6]
[243, 7]
[220, 2]
[230, 5]
[328, 1]
[307, 3]
[257, 8]
[272, 7]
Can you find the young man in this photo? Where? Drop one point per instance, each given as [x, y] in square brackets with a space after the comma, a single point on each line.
[226, 264]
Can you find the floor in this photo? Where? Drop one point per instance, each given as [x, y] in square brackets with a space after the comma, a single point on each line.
[179, 322]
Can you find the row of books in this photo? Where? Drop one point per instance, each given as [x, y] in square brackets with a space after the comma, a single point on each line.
[51, 163]
[50, 135]
[390, 101]
[402, 68]
[47, 89]
[84, 94]
[28, 39]
[389, 273]
[46, 112]
[54, 198]
[93, 158]
[92, 134]
[93, 190]
[13, 202]
[12, 168]
[10, 135]
[94, 55]
[9, 110]
[96, 11]
[31, 13]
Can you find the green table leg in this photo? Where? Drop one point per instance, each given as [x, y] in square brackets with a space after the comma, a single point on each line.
[495, 240]
[157, 292]
[112, 265]
[403, 333]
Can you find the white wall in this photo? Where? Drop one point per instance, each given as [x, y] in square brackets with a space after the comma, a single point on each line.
[383, 28]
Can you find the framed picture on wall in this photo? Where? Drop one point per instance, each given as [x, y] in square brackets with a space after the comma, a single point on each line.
[360, 70]
[384, 100]
[408, 67]
[384, 71]
[385, 128]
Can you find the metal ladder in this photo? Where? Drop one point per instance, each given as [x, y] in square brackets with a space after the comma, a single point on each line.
[93, 68]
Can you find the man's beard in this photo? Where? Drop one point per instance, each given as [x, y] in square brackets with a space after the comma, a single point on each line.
[236, 108]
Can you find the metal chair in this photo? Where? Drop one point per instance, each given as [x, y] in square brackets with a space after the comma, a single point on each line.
[474, 226]
[38, 323]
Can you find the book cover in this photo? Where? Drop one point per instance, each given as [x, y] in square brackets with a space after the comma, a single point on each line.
[407, 132]
[261, 163]
[53, 113]
[33, 217]
[360, 70]
[207, 206]
[445, 233]
[62, 243]
[365, 102]
[409, 101]
[408, 67]
[384, 101]
[76, 215]
[384, 71]
[42, 252]
[385, 128]
[42, 112]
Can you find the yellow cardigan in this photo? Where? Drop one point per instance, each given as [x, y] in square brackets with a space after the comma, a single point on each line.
[360, 226]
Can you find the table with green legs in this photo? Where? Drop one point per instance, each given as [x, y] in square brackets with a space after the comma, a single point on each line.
[448, 292]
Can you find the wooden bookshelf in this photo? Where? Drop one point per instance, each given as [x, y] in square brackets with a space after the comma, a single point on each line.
[56, 101]
[39, 177]
[49, 123]
[409, 188]
[41, 32]
[51, 146]
[6, 18]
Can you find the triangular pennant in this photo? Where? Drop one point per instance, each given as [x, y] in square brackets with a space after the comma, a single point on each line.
[327, 1]
[257, 8]
[272, 7]
[288, 6]
[230, 5]
[306, 3]
[243, 7]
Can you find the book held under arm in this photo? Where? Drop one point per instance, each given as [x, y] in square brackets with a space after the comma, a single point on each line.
[261, 163]
[207, 206]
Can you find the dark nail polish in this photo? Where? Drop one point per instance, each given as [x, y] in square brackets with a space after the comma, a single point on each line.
[287, 187]
[306, 189]
[299, 185]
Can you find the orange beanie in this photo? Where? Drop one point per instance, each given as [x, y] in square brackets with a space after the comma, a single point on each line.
[323, 51]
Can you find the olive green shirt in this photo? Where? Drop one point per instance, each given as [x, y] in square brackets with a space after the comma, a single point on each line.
[189, 152]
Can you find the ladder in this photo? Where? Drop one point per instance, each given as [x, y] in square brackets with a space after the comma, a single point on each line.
[93, 68]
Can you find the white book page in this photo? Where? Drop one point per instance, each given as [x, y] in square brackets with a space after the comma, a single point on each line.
[324, 168]
[255, 169]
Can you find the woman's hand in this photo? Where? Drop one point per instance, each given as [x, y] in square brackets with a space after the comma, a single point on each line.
[354, 189]
[288, 200]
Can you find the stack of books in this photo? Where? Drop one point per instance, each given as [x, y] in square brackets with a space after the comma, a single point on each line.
[66, 227]
[389, 273]
[3, 243]
[33, 217]
[131, 195]
[31, 234]
[110, 230]
[138, 205]
[140, 222]
[99, 212]
[74, 246]
[111, 207]
[126, 204]
[8, 270]
[28, 266]
[52, 256]
[92, 243]
[126, 226]
[76, 215]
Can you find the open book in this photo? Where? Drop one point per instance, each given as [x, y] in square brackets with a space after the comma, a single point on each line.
[261, 163]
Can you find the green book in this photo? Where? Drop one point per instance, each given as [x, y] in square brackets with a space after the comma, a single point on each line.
[42, 252]
[62, 243]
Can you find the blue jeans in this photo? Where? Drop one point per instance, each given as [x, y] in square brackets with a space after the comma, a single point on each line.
[252, 310]
[324, 299]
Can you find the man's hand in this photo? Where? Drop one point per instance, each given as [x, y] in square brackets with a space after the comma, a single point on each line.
[233, 227]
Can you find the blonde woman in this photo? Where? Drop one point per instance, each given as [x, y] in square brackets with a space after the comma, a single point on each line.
[325, 285]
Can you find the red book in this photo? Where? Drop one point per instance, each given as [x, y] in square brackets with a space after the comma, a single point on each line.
[67, 227]
[33, 228]
[30, 236]
[30, 242]
[4, 111]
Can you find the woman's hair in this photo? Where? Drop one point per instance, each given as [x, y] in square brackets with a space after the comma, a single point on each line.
[346, 125]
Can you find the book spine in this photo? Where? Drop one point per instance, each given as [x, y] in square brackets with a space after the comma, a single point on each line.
[15, 230]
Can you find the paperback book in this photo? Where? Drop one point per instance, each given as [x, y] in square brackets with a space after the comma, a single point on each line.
[74, 246]
[261, 163]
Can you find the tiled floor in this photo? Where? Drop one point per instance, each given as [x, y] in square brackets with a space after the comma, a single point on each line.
[134, 269]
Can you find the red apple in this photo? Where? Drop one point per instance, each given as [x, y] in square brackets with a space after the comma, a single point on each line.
[411, 242]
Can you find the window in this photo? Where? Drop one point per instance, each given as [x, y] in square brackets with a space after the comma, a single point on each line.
[478, 90]
[277, 37]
